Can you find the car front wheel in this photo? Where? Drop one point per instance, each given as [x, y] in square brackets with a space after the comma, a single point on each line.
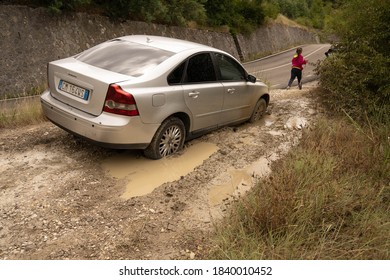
[259, 111]
[168, 139]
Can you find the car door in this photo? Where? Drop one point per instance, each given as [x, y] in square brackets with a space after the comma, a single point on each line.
[203, 94]
[238, 93]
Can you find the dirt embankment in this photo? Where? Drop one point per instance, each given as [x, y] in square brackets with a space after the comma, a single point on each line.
[60, 201]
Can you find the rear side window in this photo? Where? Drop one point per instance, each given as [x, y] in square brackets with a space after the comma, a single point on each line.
[200, 69]
[175, 77]
[124, 57]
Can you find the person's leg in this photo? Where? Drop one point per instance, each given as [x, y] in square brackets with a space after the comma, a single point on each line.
[292, 78]
[299, 76]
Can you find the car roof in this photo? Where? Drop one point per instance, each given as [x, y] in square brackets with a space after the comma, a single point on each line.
[166, 43]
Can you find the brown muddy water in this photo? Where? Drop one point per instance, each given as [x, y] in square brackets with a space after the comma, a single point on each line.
[144, 175]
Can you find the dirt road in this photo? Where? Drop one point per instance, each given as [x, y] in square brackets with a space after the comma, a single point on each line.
[61, 198]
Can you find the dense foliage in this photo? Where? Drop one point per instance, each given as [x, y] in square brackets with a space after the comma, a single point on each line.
[239, 16]
[357, 77]
[310, 13]
[176, 12]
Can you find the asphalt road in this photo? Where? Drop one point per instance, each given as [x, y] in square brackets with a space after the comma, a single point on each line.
[275, 69]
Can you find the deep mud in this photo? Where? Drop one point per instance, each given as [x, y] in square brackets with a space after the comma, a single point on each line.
[61, 198]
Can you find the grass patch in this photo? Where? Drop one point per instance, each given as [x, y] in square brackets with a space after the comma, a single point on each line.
[328, 199]
[20, 112]
[33, 91]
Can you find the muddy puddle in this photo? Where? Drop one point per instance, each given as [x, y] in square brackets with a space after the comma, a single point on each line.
[238, 181]
[144, 175]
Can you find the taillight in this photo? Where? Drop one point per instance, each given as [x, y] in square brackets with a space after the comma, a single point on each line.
[120, 102]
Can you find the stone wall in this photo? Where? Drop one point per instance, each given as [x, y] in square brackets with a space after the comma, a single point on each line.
[29, 38]
[273, 38]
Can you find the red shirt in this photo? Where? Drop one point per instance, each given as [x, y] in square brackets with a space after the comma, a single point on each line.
[298, 61]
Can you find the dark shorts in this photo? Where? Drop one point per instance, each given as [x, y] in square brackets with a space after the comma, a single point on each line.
[295, 73]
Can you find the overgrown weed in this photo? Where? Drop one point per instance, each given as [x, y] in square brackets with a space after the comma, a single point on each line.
[22, 112]
[328, 199]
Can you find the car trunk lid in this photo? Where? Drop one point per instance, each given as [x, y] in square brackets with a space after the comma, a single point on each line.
[81, 85]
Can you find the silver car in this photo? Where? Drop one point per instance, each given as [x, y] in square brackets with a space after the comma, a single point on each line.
[150, 93]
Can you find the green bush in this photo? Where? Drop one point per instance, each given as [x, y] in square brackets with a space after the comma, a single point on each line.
[271, 10]
[241, 16]
[57, 6]
[311, 13]
[357, 77]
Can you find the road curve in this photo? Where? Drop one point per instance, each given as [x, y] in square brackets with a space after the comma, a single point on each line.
[275, 69]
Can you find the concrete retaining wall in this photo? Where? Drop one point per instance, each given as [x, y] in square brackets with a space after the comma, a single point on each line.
[273, 38]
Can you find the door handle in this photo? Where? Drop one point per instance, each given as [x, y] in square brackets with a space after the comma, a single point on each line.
[194, 94]
[231, 90]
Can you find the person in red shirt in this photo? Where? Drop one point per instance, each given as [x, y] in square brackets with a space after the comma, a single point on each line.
[297, 66]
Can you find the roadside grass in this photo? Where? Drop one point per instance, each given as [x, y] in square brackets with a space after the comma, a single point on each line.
[25, 111]
[328, 199]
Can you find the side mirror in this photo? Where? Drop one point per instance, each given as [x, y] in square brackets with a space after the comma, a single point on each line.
[251, 78]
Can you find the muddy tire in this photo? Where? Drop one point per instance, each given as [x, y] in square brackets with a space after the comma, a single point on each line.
[169, 139]
[259, 111]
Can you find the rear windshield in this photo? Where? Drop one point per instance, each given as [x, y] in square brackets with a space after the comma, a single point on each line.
[124, 57]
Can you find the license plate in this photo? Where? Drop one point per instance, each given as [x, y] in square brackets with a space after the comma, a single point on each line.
[74, 90]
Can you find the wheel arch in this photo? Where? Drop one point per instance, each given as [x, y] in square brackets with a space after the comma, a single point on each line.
[184, 118]
[266, 97]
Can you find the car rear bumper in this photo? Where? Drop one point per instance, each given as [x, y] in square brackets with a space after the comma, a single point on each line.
[108, 130]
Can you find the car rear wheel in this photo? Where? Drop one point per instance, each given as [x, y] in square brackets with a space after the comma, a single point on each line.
[168, 139]
[259, 111]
